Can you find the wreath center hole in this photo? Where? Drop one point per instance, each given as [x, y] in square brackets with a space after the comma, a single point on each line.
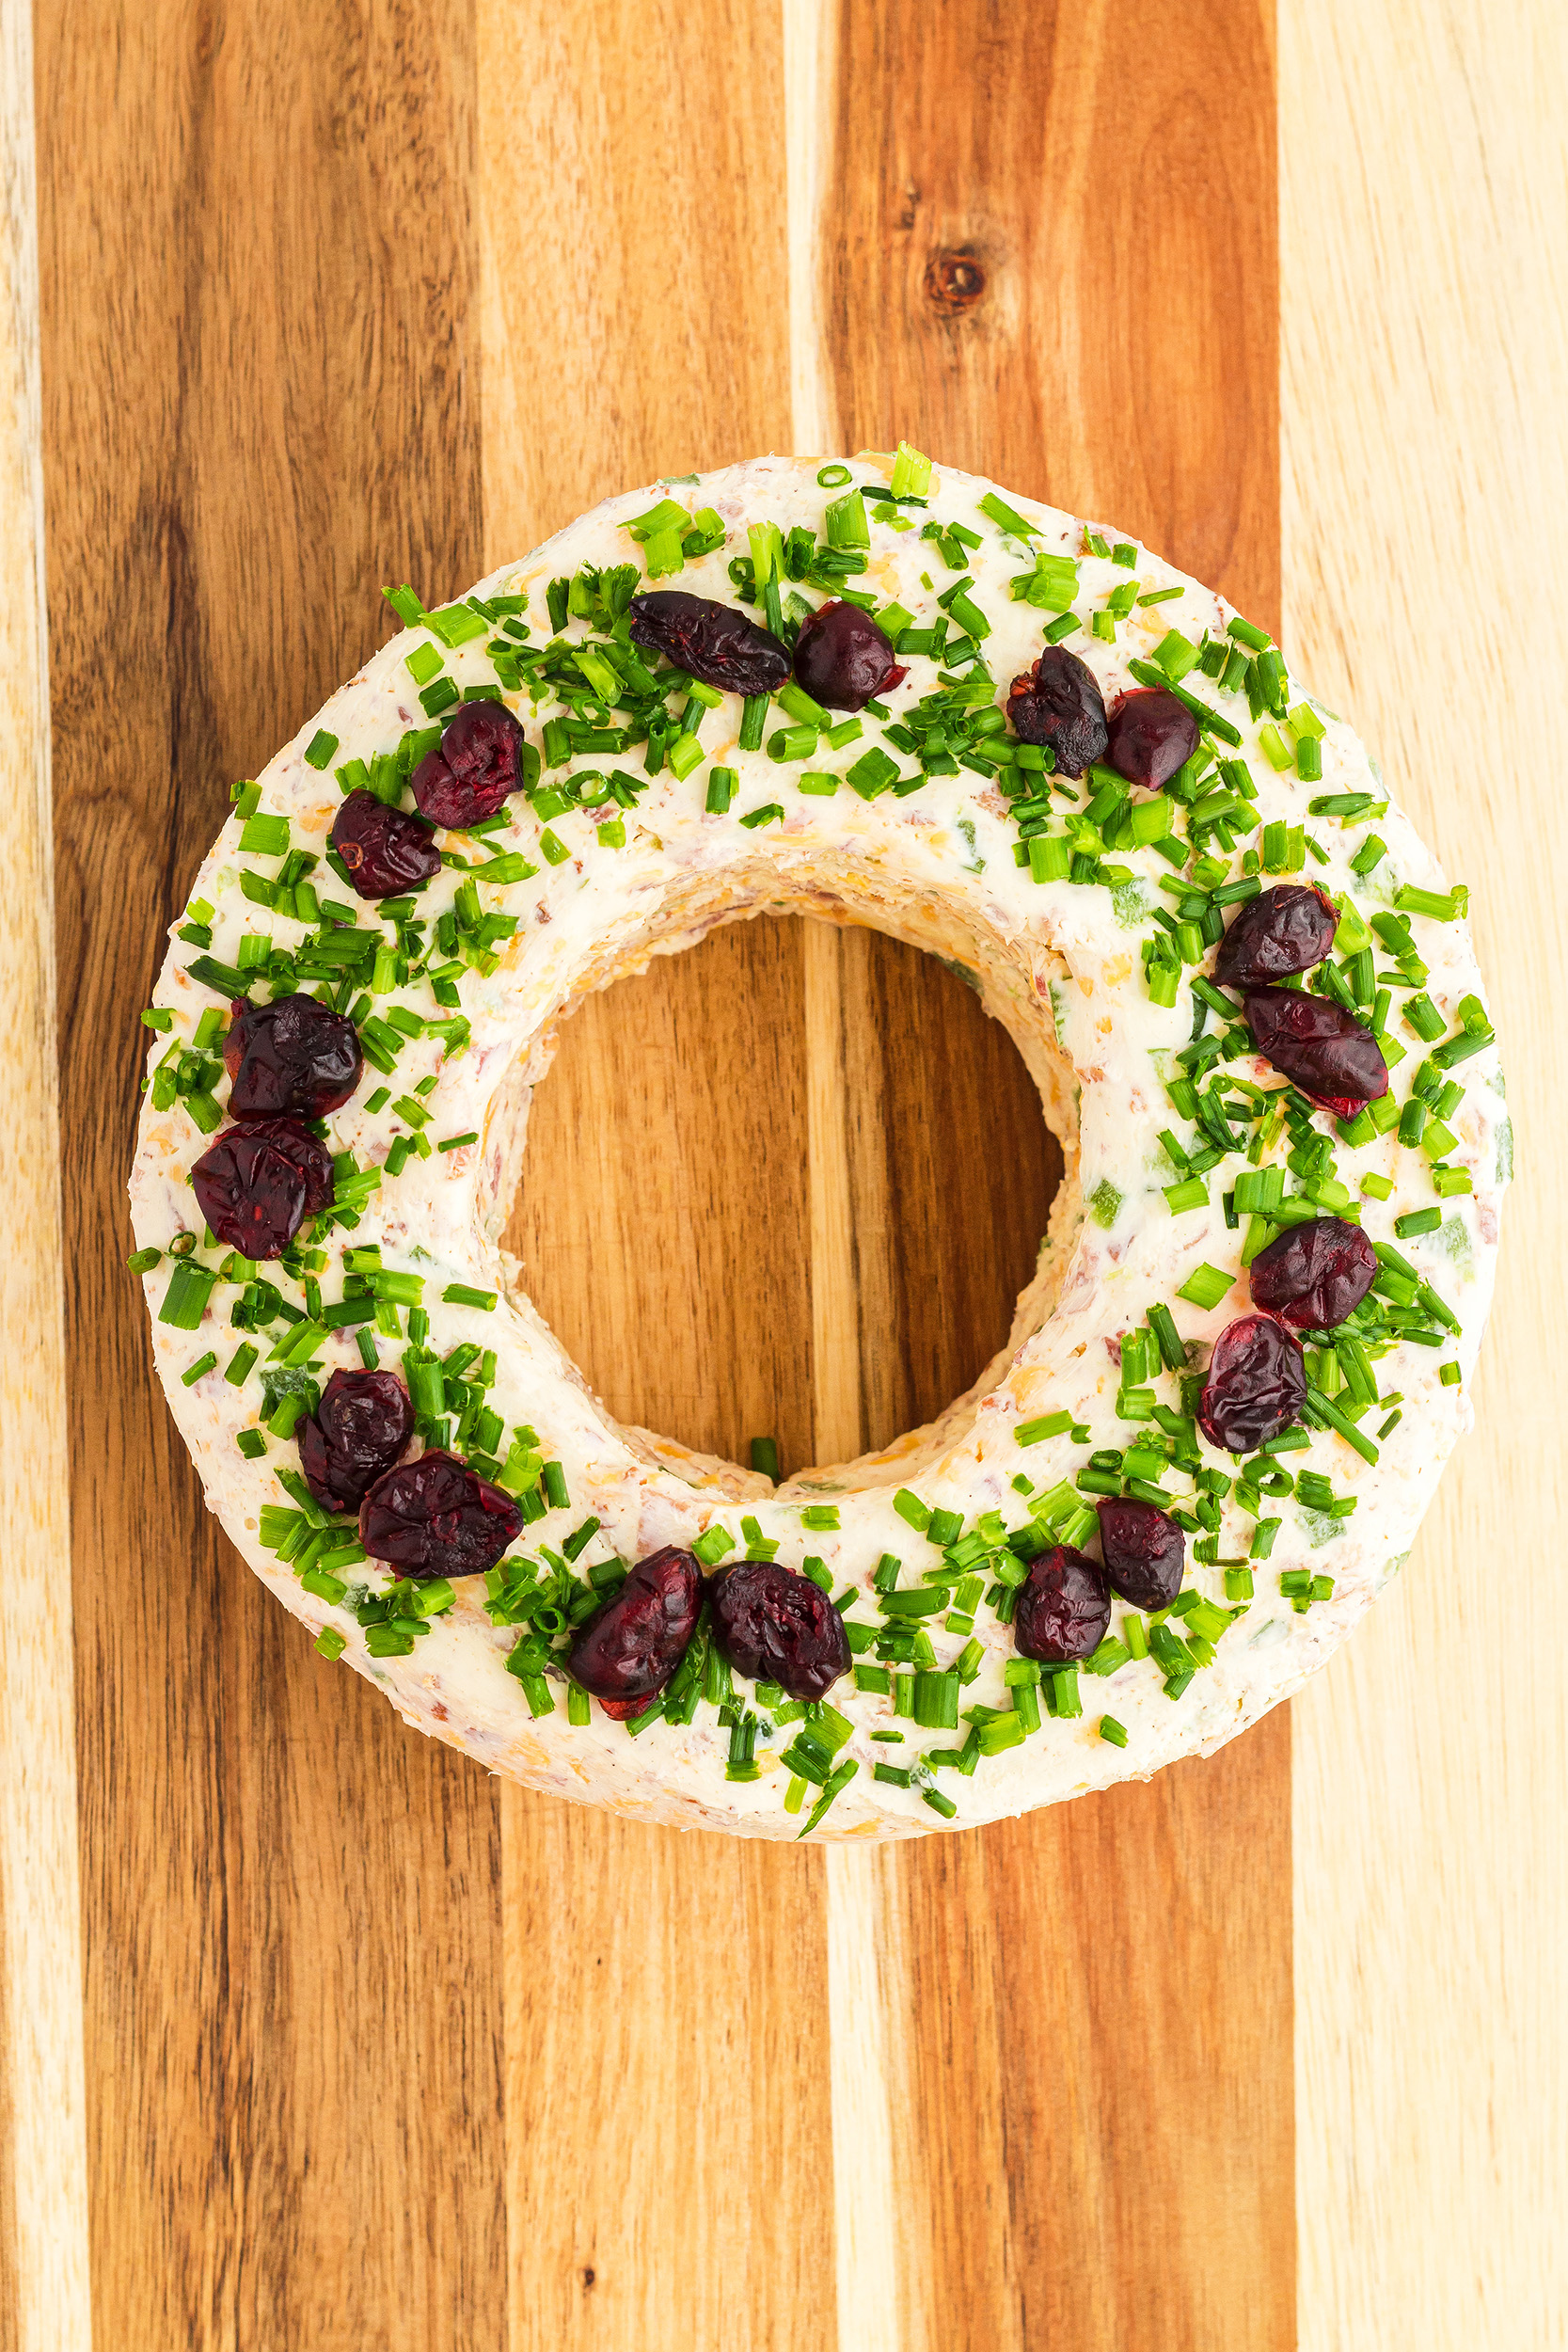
[664, 1217]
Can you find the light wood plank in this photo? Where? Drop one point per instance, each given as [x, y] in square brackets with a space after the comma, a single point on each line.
[257, 272]
[45, 2293]
[669, 2118]
[639, 1131]
[1424, 242]
[1089, 2033]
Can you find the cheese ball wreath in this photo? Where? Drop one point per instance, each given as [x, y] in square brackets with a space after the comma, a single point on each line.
[868, 694]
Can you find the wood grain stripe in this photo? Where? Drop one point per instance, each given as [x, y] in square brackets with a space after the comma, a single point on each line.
[44, 2298]
[669, 2118]
[258, 271]
[1074, 286]
[1426, 488]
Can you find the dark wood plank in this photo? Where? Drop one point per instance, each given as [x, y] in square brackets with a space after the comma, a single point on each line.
[951, 1172]
[668, 2126]
[259, 273]
[1074, 281]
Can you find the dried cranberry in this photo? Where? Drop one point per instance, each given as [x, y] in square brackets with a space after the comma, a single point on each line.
[292, 1059]
[1153, 733]
[777, 1625]
[1144, 1551]
[1255, 1385]
[384, 849]
[1333, 1058]
[630, 1647]
[354, 1437]
[1059, 702]
[437, 1516]
[1064, 1609]
[711, 641]
[1286, 930]
[256, 1185]
[1314, 1275]
[841, 658]
[476, 766]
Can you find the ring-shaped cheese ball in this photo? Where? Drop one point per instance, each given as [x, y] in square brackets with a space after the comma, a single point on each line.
[1087, 914]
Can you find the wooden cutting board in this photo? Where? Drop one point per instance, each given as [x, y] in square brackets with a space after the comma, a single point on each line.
[312, 2035]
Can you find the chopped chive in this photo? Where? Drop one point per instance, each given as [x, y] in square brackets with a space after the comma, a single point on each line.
[184, 1302]
[845, 522]
[911, 473]
[1047, 1425]
[753, 720]
[834, 477]
[1007, 517]
[202, 1365]
[1113, 1731]
[264, 837]
[1441, 908]
[1205, 1286]
[462, 1294]
[1324, 1414]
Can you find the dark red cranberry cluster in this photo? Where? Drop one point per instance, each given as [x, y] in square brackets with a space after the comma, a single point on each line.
[474, 769]
[628, 1649]
[289, 1062]
[1279, 932]
[775, 1624]
[1058, 703]
[1256, 1387]
[292, 1058]
[385, 850]
[1144, 1551]
[771, 1624]
[710, 641]
[1062, 1608]
[1153, 733]
[437, 1516]
[255, 1185]
[354, 1437]
[843, 659]
[1311, 1277]
[1331, 1057]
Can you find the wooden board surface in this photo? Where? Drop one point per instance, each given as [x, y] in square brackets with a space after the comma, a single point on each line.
[1425, 498]
[259, 403]
[375, 2051]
